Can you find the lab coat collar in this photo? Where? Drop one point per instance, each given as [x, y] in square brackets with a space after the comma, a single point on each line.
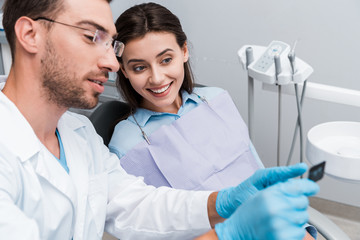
[143, 116]
[13, 124]
[3, 79]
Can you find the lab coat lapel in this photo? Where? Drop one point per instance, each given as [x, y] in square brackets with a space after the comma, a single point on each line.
[75, 153]
[53, 172]
[76, 156]
[50, 170]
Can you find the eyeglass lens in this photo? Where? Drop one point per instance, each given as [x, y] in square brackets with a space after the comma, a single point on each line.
[118, 48]
[102, 37]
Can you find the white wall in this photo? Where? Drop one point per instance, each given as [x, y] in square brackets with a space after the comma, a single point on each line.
[329, 35]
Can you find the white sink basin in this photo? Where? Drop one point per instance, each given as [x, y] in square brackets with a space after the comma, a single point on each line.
[337, 143]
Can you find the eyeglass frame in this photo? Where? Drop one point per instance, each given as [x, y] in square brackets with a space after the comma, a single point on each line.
[117, 45]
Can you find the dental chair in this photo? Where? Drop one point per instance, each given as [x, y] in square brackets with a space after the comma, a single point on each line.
[106, 116]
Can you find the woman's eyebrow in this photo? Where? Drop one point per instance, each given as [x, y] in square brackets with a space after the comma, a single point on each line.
[163, 52]
[135, 60]
[158, 55]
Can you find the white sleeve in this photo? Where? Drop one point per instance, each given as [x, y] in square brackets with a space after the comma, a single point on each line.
[138, 211]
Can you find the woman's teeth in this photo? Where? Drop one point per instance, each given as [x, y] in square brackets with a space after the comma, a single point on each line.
[161, 90]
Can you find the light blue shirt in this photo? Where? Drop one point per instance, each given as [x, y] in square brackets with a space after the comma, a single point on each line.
[127, 134]
[62, 159]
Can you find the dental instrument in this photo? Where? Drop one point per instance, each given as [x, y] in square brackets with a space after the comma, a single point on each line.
[142, 131]
[277, 72]
[249, 60]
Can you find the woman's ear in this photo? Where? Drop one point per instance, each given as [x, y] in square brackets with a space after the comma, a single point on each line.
[186, 52]
[123, 70]
[26, 31]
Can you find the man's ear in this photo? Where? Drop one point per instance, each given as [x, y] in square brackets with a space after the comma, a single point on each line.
[26, 31]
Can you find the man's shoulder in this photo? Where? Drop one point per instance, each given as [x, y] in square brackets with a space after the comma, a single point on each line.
[76, 127]
[75, 122]
[73, 118]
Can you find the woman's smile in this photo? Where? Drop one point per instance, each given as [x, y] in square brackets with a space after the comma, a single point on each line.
[160, 90]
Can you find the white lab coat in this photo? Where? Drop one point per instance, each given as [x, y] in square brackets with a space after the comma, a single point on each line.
[39, 200]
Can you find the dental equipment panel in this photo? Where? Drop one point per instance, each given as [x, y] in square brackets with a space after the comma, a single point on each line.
[277, 65]
[262, 67]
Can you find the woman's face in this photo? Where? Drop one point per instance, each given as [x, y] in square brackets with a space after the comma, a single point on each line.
[154, 66]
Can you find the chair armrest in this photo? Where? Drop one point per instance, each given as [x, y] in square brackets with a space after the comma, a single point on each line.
[325, 226]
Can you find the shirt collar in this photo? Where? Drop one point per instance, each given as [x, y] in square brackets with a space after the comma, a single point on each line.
[143, 116]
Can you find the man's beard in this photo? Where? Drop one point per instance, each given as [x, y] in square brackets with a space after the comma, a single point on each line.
[60, 85]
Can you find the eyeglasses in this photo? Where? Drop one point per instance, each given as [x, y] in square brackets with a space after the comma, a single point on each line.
[100, 37]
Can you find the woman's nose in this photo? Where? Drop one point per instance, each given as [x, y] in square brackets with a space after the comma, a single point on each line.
[157, 76]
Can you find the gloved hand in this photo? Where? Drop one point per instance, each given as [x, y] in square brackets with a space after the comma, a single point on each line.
[230, 198]
[278, 212]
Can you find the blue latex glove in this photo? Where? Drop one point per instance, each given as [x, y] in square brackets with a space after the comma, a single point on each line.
[229, 199]
[278, 212]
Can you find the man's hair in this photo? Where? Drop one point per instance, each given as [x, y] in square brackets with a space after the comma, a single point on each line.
[14, 9]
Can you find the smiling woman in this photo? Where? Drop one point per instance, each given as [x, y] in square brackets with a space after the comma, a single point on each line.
[176, 135]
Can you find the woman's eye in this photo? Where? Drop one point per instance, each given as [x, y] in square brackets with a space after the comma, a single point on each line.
[166, 60]
[139, 68]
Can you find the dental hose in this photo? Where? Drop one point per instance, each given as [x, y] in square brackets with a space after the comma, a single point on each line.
[277, 72]
[298, 124]
[279, 125]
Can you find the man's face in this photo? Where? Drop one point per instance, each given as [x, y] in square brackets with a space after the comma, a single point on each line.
[73, 67]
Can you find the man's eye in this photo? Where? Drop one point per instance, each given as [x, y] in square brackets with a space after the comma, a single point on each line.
[89, 37]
